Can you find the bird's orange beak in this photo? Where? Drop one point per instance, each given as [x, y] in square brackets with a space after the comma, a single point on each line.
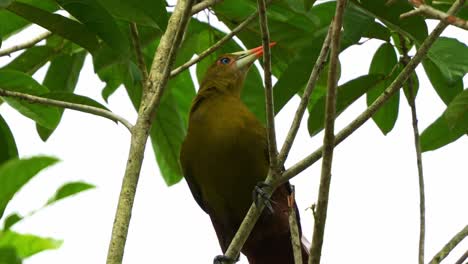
[247, 57]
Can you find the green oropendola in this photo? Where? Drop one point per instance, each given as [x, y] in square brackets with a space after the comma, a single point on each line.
[225, 155]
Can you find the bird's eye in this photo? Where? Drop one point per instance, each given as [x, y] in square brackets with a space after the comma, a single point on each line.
[225, 60]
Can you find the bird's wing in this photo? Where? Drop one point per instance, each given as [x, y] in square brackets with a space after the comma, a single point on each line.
[195, 190]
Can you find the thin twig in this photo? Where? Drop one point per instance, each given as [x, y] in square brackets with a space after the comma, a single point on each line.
[216, 46]
[271, 133]
[450, 246]
[382, 99]
[417, 144]
[318, 66]
[78, 107]
[329, 136]
[462, 258]
[139, 52]
[294, 228]
[25, 45]
[203, 5]
[157, 81]
[431, 12]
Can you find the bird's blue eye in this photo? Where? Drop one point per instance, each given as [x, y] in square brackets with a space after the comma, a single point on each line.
[225, 60]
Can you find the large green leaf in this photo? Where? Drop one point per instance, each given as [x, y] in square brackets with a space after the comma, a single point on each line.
[384, 60]
[32, 59]
[8, 148]
[17, 172]
[69, 189]
[16, 81]
[60, 25]
[450, 126]
[11, 23]
[8, 255]
[27, 245]
[348, 93]
[447, 89]
[61, 77]
[144, 12]
[413, 27]
[98, 20]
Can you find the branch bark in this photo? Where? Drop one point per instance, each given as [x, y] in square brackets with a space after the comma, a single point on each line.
[25, 45]
[157, 80]
[450, 246]
[431, 12]
[294, 229]
[78, 107]
[328, 138]
[382, 99]
[203, 5]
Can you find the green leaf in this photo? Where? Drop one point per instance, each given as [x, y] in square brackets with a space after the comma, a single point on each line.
[414, 85]
[355, 23]
[144, 12]
[60, 25]
[20, 82]
[27, 245]
[68, 190]
[447, 89]
[348, 93]
[8, 255]
[17, 172]
[62, 76]
[308, 4]
[11, 23]
[32, 59]
[11, 220]
[377, 31]
[8, 149]
[450, 126]
[98, 20]
[450, 56]
[5, 3]
[413, 27]
[384, 60]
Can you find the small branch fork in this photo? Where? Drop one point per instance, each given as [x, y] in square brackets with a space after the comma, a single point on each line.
[429, 11]
[417, 143]
[25, 45]
[254, 211]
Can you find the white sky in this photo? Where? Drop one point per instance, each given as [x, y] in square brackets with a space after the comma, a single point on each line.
[373, 211]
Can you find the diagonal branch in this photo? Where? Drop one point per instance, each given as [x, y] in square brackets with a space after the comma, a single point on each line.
[157, 81]
[203, 5]
[431, 12]
[417, 144]
[328, 138]
[271, 133]
[450, 246]
[216, 46]
[318, 66]
[382, 99]
[25, 45]
[78, 107]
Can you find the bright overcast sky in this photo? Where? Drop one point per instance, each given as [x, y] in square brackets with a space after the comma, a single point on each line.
[373, 211]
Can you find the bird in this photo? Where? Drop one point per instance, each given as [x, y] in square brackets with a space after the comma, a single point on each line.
[224, 156]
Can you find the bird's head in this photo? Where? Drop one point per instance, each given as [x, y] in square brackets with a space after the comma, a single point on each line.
[228, 72]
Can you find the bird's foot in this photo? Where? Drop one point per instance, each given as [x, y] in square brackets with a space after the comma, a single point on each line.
[223, 259]
[260, 196]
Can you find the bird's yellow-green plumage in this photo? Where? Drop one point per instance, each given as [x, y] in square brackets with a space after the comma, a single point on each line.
[224, 156]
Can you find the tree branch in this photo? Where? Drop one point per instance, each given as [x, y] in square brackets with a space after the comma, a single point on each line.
[25, 45]
[431, 12]
[462, 258]
[270, 112]
[203, 5]
[417, 144]
[294, 229]
[78, 107]
[382, 99]
[157, 80]
[328, 138]
[216, 46]
[318, 66]
[450, 246]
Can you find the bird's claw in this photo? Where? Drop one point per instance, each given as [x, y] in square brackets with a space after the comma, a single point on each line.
[223, 259]
[260, 196]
